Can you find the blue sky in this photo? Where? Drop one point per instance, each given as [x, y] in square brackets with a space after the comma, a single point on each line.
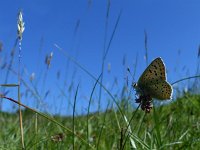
[172, 26]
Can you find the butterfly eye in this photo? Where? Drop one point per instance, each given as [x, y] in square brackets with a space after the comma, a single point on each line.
[134, 84]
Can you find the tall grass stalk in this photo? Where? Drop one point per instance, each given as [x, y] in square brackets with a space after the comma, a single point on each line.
[186, 78]
[128, 126]
[102, 127]
[20, 30]
[73, 122]
[12, 54]
[90, 100]
[140, 124]
[113, 34]
[157, 129]
[146, 47]
[20, 119]
[104, 51]
[36, 130]
[91, 75]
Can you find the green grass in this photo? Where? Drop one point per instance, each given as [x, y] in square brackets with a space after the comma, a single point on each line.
[175, 126]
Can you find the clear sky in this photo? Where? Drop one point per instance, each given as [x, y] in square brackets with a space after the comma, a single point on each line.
[79, 27]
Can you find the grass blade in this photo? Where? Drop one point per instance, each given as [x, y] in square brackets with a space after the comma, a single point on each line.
[88, 111]
[74, 107]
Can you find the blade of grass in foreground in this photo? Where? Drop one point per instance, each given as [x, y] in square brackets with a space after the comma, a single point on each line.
[20, 30]
[48, 118]
[74, 107]
[157, 128]
[104, 56]
[91, 75]
[89, 106]
[101, 130]
[187, 78]
[128, 128]
[142, 143]
[106, 50]
[130, 132]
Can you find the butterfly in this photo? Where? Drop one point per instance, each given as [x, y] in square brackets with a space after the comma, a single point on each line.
[152, 83]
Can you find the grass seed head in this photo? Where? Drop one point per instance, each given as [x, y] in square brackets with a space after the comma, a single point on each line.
[20, 25]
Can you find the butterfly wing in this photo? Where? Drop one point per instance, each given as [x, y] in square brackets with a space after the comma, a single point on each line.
[153, 81]
[158, 89]
[156, 70]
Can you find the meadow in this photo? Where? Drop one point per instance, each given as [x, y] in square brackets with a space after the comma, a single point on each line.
[174, 125]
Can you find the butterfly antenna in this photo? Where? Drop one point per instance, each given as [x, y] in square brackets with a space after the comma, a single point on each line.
[128, 69]
[133, 83]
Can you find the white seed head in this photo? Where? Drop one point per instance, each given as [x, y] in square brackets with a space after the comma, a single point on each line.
[20, 25]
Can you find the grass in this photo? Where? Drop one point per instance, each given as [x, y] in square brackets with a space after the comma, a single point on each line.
[175, 126]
